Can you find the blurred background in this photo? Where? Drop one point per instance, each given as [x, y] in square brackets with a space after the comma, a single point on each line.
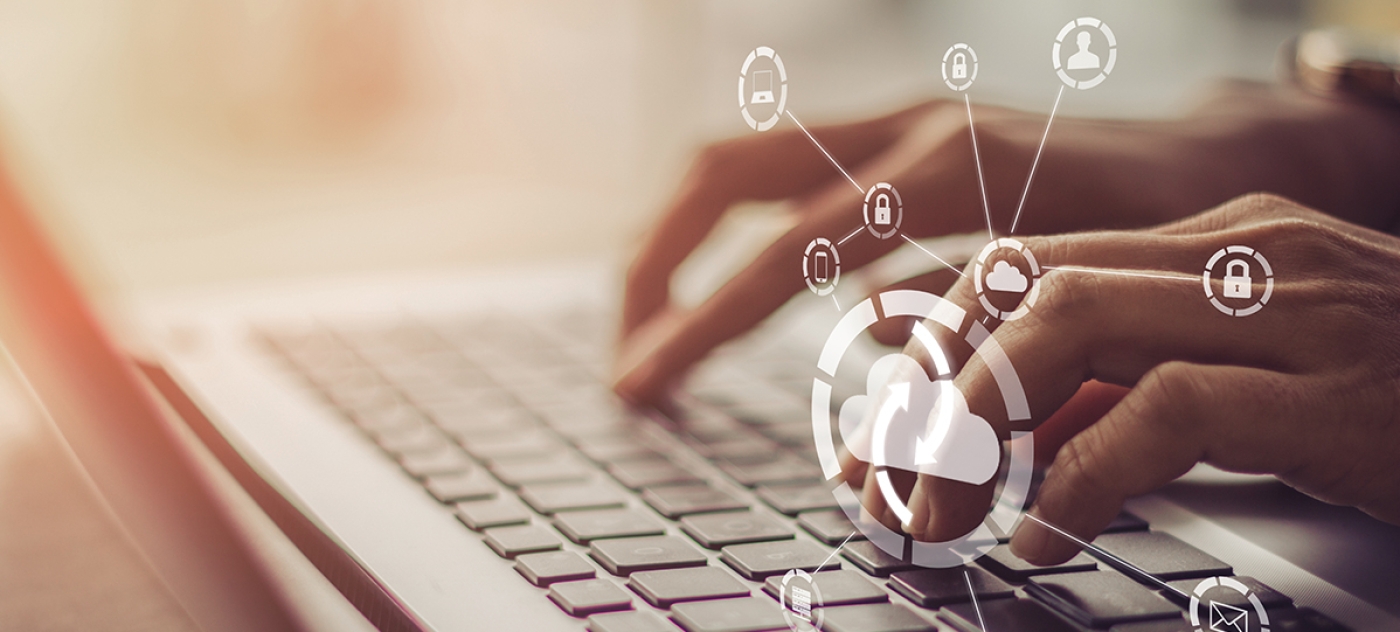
[193, 142]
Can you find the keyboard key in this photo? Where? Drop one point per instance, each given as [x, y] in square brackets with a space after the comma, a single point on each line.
[450, 488]
[875, 617]
[1269, 597]
[1126, 522]
[543, 569]
[795, 499]
[552, 499]
[583, 598]
[637, 621]
[666, 587]
[1163, 555]
[586, 526]
[938, 587]
[444, 460]
[614, 449]
[1179, 624]
[746, 451]
[509, 542]
[1304, 620]
[532, 470]
[746, 614]
[786, 468]
[485, 514]
[715, 531]
[831, 527]
[874, 561]
[837, 588]
[675, 502]
[511, 445]
[628, 555]
[1004, 564]
[1022, 615]
[419, 439]
[758, 561]
[1100, 599]
[651, 473]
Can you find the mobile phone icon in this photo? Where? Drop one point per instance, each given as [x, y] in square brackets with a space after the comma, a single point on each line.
[819, 267]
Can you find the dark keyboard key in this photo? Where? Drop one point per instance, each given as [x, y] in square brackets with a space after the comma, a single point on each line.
[551, 499]
[628, 555]
[1126, 522]
[786, 468]
[583, 598]
[586, 526]
[1004, 564]
[1269, 597]
[1100, 599]
[473, 485]
[1021, 615]
[836, 588]
[745, 451]
[789, 435]
[875, 617]
[1304, 620]
[938, 587]
[715, 531]
[831, 527]
[532, 470]
[746, 614]
[484, 514]
[795, 499]
[509, 542]
[543, 569]
[874, 561]
[666, 587]
[1179, 624]
[761, 560]
[1163, 555]
[651, 473]
[444, 460]
[637, 621]
[675, 502]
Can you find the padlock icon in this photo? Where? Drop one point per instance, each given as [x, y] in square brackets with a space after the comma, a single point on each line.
[959, 66]
[882, 210]
[1237, 281]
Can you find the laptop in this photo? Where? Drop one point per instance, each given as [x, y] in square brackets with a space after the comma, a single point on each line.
[444, 449]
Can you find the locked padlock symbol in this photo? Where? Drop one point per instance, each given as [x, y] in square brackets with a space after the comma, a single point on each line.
[959, 66]
[882, 210]
[1237, 281]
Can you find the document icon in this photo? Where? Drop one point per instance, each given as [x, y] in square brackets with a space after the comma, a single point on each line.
[1227, 618]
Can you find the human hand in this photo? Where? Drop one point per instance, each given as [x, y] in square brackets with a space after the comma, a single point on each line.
[1306, 389]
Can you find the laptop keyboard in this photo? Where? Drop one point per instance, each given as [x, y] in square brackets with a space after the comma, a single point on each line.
[637, 522]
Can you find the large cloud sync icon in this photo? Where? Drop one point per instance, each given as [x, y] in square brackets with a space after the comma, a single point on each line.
[966, 450]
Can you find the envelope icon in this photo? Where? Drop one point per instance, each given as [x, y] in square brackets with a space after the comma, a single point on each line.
[1227, 618]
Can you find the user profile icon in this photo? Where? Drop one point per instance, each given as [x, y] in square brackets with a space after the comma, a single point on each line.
[762, 89]
[1085, 52]
[959, 67]
[884, 210]
[821, 266]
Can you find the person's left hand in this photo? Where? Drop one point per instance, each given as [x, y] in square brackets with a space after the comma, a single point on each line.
[1307, 389]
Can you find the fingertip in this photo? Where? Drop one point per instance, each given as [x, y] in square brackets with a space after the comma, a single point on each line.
[1040, 546]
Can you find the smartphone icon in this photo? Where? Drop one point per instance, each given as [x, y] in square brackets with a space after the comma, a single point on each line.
[819, 270]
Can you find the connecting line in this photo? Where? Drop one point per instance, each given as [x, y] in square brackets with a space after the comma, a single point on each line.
[833, 553]
[1146, 275]
[940, 259]
[1017, 219]
[981, 623]
[826, 153]
[977, 158]
[852, 234]
[838, 303]
[1102, 555]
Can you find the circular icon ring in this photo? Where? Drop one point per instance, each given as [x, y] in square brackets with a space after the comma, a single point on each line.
[802, 607]
[983, 271]
[1237, 586]
[1235, 285]
[883, 210]
[821, 266]
[1014, 489]
[763, 90]
[1083, 59]
[963, 69]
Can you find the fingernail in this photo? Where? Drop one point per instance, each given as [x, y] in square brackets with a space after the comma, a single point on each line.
[1029, 541]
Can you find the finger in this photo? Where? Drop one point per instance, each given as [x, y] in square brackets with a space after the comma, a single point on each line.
[1179, 415]
[773, 166]
[895, 331]
[1090, 403]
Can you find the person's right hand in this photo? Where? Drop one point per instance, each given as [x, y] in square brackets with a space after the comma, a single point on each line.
[1092, 174]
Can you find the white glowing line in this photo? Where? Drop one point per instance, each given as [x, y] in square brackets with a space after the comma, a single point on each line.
[825, 152]
[940, 259]
[1016, 220]
[977, 158]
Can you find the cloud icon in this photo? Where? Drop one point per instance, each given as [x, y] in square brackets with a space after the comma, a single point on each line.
[1004, 277]
[925, 435]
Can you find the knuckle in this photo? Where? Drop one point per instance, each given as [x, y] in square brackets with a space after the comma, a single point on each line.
[1083, 463]
[1172, 394]
[1065, 296]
